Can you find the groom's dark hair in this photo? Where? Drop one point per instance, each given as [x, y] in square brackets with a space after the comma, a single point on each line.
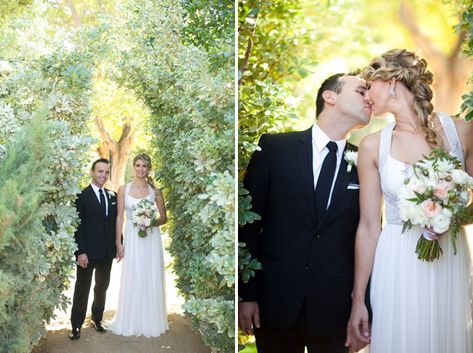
[100, 160]
[332, 83]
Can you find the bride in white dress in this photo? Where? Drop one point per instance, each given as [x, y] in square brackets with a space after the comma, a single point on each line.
[141, 303]
[418, 306]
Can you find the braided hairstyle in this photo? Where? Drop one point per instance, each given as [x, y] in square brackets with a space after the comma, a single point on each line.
[147, 159]
[406, 67]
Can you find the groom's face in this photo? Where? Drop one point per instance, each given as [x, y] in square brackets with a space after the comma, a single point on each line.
[353, 101]
[100, 174]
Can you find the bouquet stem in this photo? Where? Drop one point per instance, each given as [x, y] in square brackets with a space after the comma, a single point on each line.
[142, 233]
[428, 250]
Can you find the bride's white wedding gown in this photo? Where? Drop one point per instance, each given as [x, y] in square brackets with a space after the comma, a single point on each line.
[141, 303]
[418, 307]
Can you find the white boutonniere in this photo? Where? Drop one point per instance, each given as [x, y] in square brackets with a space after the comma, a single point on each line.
[110, 193]
[352, 158]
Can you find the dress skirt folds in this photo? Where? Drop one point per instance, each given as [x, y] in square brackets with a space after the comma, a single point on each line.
[141, 303]
[418, 306]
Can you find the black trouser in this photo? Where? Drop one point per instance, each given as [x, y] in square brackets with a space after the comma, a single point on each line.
[273, 340]
[81, 291]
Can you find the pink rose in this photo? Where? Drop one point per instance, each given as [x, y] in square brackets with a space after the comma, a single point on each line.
[430, 208]
[441, 192]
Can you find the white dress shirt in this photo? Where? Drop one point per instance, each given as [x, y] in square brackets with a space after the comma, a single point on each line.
[319, 151]
[96, 190]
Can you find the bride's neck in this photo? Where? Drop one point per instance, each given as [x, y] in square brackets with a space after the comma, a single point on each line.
[140, 182]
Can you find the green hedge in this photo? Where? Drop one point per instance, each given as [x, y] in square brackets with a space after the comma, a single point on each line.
[191, 101]
[37, 256]
[466, 25]
[23, 292]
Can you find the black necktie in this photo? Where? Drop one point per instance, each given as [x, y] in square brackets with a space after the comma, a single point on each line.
[324, 183]
[102, 203]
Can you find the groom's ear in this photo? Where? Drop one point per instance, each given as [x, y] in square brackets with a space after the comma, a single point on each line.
[330, 97]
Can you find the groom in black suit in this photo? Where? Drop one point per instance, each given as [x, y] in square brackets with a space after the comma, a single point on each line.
[95, 238]
[307, 196]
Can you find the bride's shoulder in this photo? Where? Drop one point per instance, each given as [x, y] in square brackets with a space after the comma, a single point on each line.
[465, 132]
[370, 142]
[464, 127]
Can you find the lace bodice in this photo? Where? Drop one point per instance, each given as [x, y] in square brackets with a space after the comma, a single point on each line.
[393, 172]
[131, 202]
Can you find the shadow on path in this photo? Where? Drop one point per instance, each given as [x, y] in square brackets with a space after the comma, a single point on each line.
[178, 339]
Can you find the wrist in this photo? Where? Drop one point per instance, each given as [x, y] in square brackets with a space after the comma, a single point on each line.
[358, 298]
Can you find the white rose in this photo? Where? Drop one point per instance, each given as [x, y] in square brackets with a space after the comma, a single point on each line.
[459, 177]
[407, 191]
[409, 211]
[469, 181]
[441, 221]
[404, 211]
[417, 215]
[352, 159]
[443, 167]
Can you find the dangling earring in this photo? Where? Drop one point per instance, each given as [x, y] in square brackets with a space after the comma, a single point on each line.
[392, 93]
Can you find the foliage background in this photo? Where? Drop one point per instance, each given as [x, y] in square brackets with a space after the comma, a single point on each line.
[288, 47]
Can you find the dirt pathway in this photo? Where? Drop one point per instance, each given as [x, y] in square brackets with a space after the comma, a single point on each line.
[179, 339]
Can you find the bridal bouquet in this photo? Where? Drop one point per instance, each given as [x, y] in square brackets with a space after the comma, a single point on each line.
[145, 216]
[436, 197]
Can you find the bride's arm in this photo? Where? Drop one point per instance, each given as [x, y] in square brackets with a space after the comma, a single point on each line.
[161, 207]
[119, 224]
[465, 131]
[367, 236]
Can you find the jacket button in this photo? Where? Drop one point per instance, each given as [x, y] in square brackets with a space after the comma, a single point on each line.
[306, 267]
[317, 236]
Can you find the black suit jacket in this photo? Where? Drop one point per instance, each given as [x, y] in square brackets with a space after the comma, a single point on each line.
[95, 235]
[301, 259]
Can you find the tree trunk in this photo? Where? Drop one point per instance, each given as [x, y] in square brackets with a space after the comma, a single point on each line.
[117, 151]
[451, 71]
[74, 13]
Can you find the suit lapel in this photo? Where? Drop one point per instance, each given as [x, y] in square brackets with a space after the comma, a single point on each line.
[341, 183]
[93, 196]
[96, 202]
[303, 150]
[109, 202]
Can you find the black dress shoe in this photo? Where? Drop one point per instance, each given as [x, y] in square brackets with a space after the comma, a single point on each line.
[74, 334]
[98, 326]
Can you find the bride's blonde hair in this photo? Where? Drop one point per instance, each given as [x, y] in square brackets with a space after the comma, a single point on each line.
[406, 67]
[147, 159]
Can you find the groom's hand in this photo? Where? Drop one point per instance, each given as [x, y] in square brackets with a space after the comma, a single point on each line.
[83, 260]
[248, 314]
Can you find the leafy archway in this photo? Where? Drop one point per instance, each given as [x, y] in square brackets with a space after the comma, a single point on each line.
[186, 81]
